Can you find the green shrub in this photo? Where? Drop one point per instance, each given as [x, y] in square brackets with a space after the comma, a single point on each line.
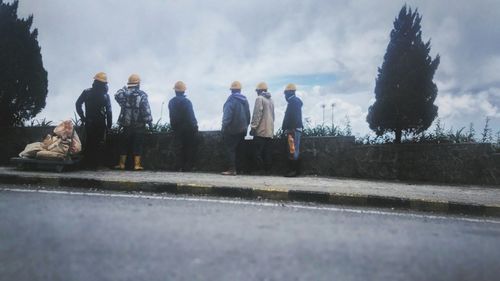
[39, 123]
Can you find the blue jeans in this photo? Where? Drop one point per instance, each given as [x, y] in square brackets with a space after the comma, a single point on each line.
[296, 141]
[233, 146]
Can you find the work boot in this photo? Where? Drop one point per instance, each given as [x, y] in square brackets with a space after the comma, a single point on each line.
[298, 165]
[267, 169]
[229, 172]
[137, 163]
[259, 172]
[292, 169]
[121, 163]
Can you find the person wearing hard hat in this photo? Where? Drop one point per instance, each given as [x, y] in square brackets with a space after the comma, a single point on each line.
[97, 119]
[235, 121]
[292, 127]
[135, 114]
[262, 128]
[184, 126]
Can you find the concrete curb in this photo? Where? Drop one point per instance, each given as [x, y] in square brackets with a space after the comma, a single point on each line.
[358, 200]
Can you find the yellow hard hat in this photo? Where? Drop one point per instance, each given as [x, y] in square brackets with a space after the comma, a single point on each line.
[291, 87]
[236, 85]
[134, 80]
[102, 77]
[180, 86]
[262, 86]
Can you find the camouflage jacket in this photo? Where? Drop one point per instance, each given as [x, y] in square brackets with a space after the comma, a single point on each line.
[135, 110]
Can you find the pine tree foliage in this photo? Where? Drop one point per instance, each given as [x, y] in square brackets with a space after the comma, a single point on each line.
[23, 83]
[404, 90]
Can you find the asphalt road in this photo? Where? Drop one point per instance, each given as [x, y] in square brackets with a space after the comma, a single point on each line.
[59, 235]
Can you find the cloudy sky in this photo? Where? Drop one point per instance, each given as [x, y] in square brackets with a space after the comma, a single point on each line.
[331, 49]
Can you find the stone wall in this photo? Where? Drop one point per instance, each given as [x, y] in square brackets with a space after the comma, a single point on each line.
[324, 156]
[450, 163]
[319, 153]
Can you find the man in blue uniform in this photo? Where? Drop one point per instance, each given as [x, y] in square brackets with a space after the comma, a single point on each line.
[235, 121]
[185, 127]
[292, 127]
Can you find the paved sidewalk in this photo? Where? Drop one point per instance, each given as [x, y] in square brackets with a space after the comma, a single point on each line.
[474, 200]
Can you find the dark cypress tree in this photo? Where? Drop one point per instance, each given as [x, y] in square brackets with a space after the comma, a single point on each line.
[23, 80]
[404, 89]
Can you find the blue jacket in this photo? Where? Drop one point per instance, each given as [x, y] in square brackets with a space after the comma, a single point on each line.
[181, 114]
[236, 117]
[293, 114]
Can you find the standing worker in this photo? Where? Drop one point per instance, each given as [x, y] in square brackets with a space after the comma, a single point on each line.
[262, 128]
[97, 119]
[185, 127]
[292, 127]
[134, 115]
[235, 121]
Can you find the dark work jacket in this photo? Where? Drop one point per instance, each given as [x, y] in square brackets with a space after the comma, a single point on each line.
[181, 114]
[97, 107]
[236, 116]
[293, 114]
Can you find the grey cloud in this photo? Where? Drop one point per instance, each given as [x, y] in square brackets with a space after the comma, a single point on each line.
[210, 43]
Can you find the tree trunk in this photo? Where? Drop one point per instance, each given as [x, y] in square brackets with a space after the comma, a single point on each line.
[398, 136]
